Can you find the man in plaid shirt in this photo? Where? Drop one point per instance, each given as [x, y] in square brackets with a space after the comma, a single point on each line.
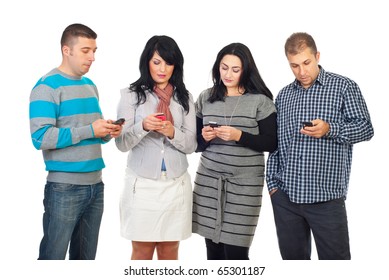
[320, 116]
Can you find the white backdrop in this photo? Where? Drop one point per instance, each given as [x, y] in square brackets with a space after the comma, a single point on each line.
[351, 36]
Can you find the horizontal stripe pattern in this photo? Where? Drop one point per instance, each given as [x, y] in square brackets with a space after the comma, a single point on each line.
[61, 111]
[43, 109]
[79, 166]
[229, 181]
[79, 106]
[239, 214]
[56, 80]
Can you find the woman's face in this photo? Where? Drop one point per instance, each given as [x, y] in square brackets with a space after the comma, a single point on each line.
[230, 71]
[160, 70]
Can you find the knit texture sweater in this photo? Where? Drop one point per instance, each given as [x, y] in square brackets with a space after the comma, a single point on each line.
[228, 186]
[62, 109]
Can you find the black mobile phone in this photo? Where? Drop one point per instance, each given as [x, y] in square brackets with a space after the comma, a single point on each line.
[213, 124]
[307, 124]
[119, 121]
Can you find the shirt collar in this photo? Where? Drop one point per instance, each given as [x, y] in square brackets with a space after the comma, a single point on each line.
[320, 78]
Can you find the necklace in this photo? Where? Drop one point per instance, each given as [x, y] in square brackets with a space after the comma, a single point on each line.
[233, 111]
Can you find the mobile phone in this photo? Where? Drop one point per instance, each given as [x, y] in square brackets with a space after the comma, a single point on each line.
[307, 124]
[213, 124]
[119, 121]
[161, 116]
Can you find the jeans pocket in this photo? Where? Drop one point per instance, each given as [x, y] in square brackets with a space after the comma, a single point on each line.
[59, 187]
[64, 201]
[274, 194]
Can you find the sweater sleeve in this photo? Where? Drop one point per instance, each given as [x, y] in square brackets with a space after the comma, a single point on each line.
[44, 112]
[201, 143]
[266, 140]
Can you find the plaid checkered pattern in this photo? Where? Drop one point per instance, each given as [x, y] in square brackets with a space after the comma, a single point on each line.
[308, 169]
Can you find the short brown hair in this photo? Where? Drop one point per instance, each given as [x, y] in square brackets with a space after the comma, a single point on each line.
[76, 30]
[297, 42]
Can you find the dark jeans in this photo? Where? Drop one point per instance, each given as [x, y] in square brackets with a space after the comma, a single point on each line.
[220, 251]
[327, 221]
[72, 215]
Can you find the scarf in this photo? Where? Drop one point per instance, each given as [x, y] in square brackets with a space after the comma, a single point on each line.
[164, 96]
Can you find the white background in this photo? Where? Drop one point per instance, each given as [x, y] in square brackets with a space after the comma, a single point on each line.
[353, 40]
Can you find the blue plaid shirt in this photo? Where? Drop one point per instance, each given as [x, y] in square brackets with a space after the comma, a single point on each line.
[309, 169]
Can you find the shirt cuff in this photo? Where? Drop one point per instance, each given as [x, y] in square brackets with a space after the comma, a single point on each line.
[139, 131]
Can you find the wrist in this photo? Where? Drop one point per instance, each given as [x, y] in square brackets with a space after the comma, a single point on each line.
[328, 131]
[238, 135]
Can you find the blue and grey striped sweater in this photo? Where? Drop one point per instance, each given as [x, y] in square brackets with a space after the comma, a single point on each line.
[62, 109]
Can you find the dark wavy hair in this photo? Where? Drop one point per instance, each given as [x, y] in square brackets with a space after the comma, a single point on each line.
[168, 49]
[250, 79]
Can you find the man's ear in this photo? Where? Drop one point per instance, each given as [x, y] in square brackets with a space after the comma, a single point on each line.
[317, 57]
[66, 50]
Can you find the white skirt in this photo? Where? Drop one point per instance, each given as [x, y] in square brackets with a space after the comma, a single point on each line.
[156, 210]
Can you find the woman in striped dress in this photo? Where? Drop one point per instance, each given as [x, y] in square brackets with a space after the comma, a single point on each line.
[236, 124]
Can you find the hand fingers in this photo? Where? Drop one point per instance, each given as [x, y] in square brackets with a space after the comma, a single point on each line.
[164, 126]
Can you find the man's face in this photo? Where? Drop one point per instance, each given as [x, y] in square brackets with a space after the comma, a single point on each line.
[80, 56]
[305, 66]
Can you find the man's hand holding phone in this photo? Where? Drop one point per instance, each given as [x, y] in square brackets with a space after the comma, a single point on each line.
[118, 129]
[309, 124]
[119, 121]
[316, 128]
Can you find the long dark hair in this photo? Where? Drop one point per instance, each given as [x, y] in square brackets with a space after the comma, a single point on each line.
[168, 49]
[250, 79]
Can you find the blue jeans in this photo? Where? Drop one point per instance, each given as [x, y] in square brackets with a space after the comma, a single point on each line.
[72, 215]
[327, 221]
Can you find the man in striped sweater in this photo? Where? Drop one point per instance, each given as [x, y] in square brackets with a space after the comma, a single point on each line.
[66, 123]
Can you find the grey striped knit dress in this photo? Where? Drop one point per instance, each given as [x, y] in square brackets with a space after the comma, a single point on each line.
[229, 180]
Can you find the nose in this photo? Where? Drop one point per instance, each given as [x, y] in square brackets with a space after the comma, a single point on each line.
[229, 73]
[302, 71]
[162, 67]
[92, 56]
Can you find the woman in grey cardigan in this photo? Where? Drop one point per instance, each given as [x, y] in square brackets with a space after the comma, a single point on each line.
[236, 124]
[160, 129]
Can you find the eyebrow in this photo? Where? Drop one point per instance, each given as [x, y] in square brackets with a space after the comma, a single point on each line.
[232, 66]
[88, 48]
[304, 62]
